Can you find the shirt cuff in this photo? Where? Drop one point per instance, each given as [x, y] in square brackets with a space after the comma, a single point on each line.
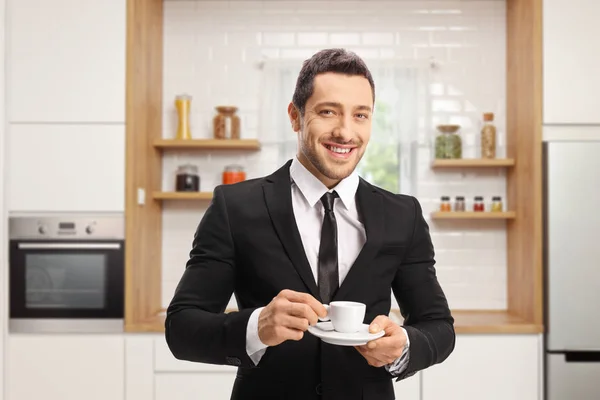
[254, 347]
[400, 364]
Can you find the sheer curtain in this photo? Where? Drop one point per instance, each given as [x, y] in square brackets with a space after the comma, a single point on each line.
[399, 121]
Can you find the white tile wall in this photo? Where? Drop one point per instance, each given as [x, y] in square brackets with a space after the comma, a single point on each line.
[212, 47]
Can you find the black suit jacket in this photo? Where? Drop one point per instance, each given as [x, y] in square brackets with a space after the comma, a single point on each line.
[248, 243]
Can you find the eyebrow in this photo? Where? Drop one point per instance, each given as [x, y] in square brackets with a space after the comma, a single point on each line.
[339, 105]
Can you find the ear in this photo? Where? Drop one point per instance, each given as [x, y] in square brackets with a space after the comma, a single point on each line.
[294, 115]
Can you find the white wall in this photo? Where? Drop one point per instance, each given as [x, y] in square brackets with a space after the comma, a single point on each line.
[210, 51]
[3, 236]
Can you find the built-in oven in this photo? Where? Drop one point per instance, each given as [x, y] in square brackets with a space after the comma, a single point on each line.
[66, 274]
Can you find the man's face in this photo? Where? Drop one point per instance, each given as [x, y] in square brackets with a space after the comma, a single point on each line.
[336, 127]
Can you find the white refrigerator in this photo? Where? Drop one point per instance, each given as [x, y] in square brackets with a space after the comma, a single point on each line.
[572, 269]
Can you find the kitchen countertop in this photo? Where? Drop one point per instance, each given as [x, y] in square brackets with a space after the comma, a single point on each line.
[466, 322]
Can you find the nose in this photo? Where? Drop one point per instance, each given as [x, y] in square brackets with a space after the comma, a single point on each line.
[343, 130]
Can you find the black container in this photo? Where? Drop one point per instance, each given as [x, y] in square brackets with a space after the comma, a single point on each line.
[187, 179]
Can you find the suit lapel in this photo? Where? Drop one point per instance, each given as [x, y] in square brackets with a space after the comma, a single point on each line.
[370, 207]
[278, 197]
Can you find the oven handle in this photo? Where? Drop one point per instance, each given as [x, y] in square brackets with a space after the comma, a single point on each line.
[69, 246]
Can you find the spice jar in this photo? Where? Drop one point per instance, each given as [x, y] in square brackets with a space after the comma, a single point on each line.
[448, 144]
[445, 204]
[182, 104]
[497, 203]
[226, 124]
[459, 204]
[187, 179]
[488, 136]
[233, 174]
[478, 204]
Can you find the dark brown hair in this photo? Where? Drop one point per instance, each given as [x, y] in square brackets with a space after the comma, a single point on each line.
[329, 60]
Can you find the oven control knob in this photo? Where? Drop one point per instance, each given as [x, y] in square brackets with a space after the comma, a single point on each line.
[42, 229]
[89, 229]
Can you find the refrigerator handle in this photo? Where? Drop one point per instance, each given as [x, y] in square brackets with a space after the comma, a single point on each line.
[582, 356]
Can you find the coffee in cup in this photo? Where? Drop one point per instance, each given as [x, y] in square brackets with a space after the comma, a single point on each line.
[346, 316]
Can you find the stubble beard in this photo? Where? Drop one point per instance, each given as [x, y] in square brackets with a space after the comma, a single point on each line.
[336, 172]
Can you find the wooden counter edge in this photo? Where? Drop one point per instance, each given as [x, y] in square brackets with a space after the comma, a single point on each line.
[466, 322]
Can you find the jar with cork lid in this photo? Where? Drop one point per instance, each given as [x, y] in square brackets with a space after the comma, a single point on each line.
[488, 136]
[226, 124]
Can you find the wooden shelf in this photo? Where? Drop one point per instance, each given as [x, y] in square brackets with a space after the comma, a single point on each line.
[208, 144]
[473, 215]
[182, 195]
[145, 148]
[473, 163]
[487, 321]
[492, 321]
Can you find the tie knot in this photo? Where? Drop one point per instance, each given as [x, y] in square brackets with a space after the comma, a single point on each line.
[328, 199]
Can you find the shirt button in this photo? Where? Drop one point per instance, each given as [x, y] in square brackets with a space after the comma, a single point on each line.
[319, 389]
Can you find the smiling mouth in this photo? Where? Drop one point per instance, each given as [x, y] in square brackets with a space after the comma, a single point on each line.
[339, 152]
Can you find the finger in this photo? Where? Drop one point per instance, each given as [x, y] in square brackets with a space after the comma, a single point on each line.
[303, 311]
[285, 333]
[381, 322]
[292, 322]
[378, 355]
[387, 342]
[305, 298]
[375, 360]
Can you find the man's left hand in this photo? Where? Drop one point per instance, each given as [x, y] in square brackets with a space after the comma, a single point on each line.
[386, 349]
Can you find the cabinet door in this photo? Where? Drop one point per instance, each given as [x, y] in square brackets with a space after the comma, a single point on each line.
[62, 168]
[66, 367]
[571, 59]
[194, 386]
[490, 367]
[409, 388]
[66, 60]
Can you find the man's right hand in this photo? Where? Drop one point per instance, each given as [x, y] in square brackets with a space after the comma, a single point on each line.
[288, 316]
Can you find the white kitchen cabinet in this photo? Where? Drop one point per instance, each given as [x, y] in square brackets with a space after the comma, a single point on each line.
[65, 367]
[216, 381]
[571, 62]
[191, 381]
[490, 367]
[66, 60]
[201, 385]
[409, 388]
[3, 238]
[66, 168]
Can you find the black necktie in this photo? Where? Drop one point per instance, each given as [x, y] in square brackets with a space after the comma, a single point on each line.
[328, 260]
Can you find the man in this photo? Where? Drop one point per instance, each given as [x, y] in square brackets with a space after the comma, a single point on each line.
[311, 233]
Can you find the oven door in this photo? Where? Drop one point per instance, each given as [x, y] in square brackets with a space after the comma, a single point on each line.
[66, 284]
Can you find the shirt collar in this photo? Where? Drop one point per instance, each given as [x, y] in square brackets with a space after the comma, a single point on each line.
[313, 189]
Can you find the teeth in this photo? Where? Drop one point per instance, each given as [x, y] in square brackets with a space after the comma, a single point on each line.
[338, 150]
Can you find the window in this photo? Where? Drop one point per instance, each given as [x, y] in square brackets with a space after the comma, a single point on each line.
[402, 99]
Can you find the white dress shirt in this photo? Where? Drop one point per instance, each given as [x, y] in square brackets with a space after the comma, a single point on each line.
[307, 191]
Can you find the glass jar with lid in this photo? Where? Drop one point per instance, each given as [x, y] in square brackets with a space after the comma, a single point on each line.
[448, 143]
[488, 136]
[497, 204]
[226, 124]
[187, 179]
[445, 204]
[459, 204]
[478, 204]
[233, 174]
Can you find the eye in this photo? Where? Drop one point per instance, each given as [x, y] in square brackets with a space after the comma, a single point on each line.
[326, 112]
[362, 116]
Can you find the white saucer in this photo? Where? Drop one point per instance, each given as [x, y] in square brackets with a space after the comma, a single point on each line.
[325, 331]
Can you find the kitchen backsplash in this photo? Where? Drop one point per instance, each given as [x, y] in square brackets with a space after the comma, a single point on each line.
[212, 49]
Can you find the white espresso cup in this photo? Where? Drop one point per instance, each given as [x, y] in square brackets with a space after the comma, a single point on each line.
[346, 316]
